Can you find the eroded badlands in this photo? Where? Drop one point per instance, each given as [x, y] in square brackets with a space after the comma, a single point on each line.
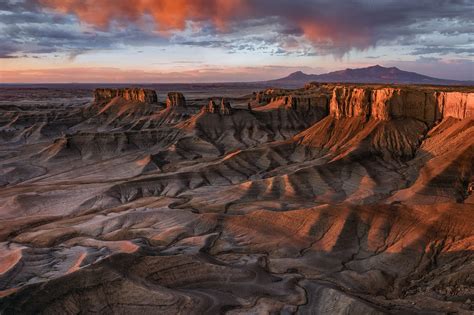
[330, 199]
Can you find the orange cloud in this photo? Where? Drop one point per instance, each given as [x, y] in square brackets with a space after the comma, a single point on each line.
[168, 14]
[317, 31]
[318, 26]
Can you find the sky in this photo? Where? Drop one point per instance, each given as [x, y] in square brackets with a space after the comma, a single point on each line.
[157, 41]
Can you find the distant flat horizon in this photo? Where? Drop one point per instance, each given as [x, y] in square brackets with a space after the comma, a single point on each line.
[302, 76]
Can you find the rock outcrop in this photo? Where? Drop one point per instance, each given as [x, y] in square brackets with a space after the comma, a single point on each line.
[303, 100]
[175, 99]
[350, 102]
[212, 107]
[386, 103]
[456, 104]
[390, 103]
[304, 103]
[269, 95]
[129, 94]
[223, 109]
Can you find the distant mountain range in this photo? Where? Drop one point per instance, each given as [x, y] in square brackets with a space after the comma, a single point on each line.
[374, 74]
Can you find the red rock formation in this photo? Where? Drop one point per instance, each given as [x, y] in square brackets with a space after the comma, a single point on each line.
[225, 108]
[456, 104]
[387, 103]
[129, 94]
[347, 102]
[270, 95]
[306, 102]
[175, 99]
[390, 103]
[211, 107]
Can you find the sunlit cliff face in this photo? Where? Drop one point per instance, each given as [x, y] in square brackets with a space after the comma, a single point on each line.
[228, 40]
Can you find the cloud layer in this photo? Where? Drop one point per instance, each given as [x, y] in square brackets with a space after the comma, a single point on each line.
[331, 25]
[168, 14]
[246, 32]
[316, 27]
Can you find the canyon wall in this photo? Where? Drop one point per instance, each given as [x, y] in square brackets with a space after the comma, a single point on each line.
[456, 104]
[347, 102]
[270, 95]
[299, 100]
[175, 99]
[129, 94]
[382, 103]
[386, 103]
[305, 102]
[224, 108]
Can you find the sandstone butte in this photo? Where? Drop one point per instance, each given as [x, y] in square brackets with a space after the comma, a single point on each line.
[381, 103]
[175, 99]
[129, 94]
[387, 103]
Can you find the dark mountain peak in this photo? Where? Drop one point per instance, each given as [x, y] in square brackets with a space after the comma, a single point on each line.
[372, 74]
[297, 75]
[377, 68]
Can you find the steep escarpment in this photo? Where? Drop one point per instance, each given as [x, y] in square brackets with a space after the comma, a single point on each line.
[113, 107]
[386, 103]
[350, 102]
[175, 99]
[302, 100]
[269, 95]
[456, 104]
[223, 109]
[129, 94]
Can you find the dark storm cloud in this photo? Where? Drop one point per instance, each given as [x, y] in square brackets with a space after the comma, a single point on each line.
[7, 50]
[329, 26]
[206, 43]
[443, 50]
[362, 24]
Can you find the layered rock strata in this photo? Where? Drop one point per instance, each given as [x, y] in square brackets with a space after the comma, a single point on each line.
[175, 99]
[269, 95]
[211, 107]
[299, 100]
[129, 94]
[223, 108]
[387, 103]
